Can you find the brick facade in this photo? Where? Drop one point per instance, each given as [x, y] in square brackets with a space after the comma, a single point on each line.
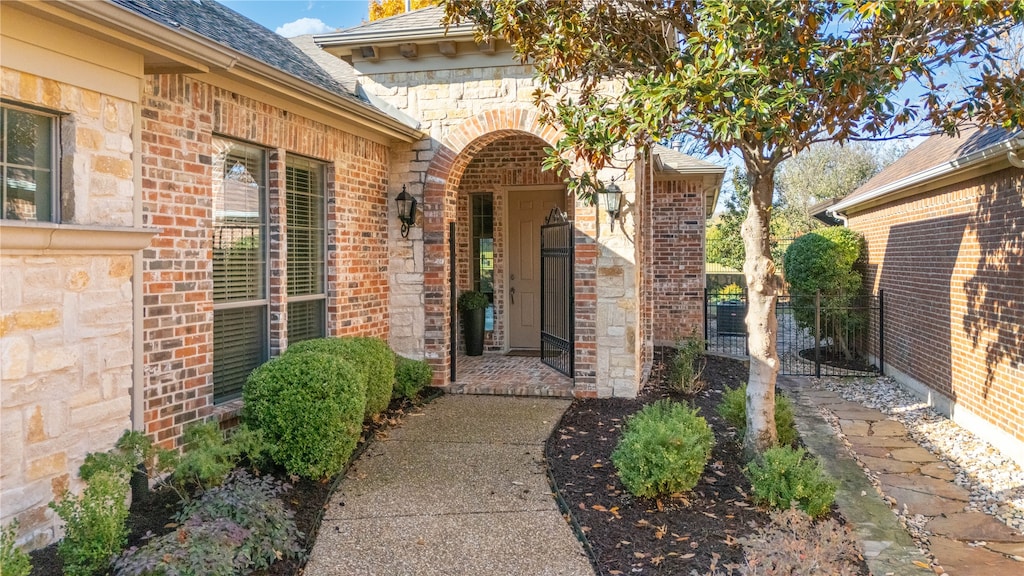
[181, 115]
[676, 268]
[949, 262]
[501, 167]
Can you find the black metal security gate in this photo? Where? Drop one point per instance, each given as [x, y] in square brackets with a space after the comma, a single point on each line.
[817, 335]
[557, 299]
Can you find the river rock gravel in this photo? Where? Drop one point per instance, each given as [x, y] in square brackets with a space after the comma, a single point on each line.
[995, 481]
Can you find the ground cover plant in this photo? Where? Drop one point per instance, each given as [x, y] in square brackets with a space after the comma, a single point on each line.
[157, 513]
[696, 530]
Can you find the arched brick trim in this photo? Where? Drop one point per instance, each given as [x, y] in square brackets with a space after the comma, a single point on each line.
[440, 193]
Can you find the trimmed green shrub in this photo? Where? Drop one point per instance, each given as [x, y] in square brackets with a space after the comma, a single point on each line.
[784, 475]
[13, 560]
[793, 543]
[825, 260]
[733, 408]
[663, 449]
[232, 529]
[309, 407]
[411, 376]
[95, 528]
[371, 356]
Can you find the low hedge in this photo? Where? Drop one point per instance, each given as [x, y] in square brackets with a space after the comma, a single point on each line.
[371, 356]
[411, 376]
[310, 408]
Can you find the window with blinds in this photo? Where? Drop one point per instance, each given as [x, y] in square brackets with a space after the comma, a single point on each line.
[239, 266]
[305, 213]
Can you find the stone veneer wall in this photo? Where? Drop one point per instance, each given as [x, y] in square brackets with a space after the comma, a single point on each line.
[509, 162]
[462, 111]
[180, 117]
[442, 100]
[949, 262]
[66, 315]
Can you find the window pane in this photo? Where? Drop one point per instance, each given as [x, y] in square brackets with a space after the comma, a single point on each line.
[306, 321]
[483, 243]
[239, 347]
[305, 213]
[27, 194]
[238, 234]
[27, 165]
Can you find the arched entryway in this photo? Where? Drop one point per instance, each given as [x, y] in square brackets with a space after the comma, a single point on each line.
[489, 167]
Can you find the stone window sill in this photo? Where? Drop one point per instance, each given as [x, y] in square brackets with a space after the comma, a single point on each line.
[47, 236]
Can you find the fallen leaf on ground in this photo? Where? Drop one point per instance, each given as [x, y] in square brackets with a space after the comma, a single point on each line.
[688, 556]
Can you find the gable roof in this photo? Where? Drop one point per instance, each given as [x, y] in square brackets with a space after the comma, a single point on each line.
[938, 157]
[669, 162]
[225, 26]
[423, 24]
[341, 71]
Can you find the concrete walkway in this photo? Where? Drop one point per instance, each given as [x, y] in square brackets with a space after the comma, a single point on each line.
[964, 543]
[459, 488]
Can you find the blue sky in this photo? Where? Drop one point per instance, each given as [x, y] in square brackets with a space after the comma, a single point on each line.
[296, 17]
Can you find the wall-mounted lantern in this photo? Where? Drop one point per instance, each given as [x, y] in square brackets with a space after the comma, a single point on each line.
[612, 195]
[406, 210]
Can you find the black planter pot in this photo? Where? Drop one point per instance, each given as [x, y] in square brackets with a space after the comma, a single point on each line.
[473, 331]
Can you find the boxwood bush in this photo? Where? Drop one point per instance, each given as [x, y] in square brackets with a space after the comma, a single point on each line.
[371, 356]
[733, 408]
[663, 449]
[309, 407]
[785, 475]
[411, 376]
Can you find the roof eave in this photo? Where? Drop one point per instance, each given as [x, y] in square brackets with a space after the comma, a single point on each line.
[203, 55]
[976, 159]
[352, 39]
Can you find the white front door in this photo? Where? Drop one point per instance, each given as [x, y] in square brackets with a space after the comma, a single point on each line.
[527, 211]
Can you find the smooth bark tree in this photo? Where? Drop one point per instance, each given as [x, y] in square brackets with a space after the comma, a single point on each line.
[760, 79]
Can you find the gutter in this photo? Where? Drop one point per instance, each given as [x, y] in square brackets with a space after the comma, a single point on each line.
[189, 46]
[1012, 148]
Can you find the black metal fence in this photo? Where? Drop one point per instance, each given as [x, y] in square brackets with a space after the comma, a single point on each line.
[817, 335]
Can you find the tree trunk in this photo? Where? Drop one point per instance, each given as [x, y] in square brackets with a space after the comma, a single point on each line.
[762, 326]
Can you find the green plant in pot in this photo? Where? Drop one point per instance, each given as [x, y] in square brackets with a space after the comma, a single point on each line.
[473, 306]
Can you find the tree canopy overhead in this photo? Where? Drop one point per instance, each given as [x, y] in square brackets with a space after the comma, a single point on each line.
[763, 79]
[385, 8]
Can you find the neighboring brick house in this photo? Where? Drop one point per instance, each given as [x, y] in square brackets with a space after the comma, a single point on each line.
[945, 241]
[186, 192]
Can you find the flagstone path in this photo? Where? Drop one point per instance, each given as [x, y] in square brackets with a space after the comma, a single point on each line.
[963, 542]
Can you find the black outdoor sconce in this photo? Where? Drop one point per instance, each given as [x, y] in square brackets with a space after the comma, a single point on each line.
[612, 195]
[406, 210]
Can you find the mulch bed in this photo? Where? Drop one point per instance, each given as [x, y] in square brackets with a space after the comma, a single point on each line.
[688, 533]
[835, 358]
[307, 498]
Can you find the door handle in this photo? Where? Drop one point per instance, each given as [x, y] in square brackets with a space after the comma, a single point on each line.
[512, 294]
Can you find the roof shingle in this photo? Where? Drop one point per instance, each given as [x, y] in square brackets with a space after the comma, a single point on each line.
[229, 28]
[933, 152]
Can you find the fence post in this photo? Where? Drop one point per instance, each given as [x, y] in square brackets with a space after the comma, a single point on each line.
[817, 334]
[881, 332]
[706, 304]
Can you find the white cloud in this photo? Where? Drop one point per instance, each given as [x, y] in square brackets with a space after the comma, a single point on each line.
[303, 26]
